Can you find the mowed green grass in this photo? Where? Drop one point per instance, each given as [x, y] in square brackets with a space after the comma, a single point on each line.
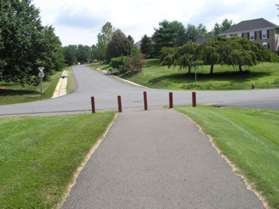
[11, 93]
[250, 139]
[71, 84]
[39, 155]
[264, 75]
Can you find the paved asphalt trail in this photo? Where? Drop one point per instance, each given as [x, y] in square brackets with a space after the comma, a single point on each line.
[106, 89]
[158, 160]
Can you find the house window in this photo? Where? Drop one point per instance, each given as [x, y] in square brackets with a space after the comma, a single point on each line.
[264, 35]
[256, 35]
[243, 35]
[261, 35]
[252, 35]
[268, 33]
[248, 36]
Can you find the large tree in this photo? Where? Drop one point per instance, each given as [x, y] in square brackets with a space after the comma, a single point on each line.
[169, 34]
[119, 45]
[146, 46]
[26, 45]
[104, 37]
[194, 32]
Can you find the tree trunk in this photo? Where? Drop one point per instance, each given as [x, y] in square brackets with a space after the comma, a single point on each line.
[211, 69]
[240, 68]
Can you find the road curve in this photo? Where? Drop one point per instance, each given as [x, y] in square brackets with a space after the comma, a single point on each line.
[106, 88]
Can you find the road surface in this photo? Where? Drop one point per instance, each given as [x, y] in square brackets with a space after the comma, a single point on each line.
[106, 89]
[158, 160]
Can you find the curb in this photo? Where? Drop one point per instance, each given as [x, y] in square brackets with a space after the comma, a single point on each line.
[120, 79]
[129, 82]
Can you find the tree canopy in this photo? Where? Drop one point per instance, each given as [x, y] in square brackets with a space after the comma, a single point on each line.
[25, 44]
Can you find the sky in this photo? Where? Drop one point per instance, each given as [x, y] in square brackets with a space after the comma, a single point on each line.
[79, 21]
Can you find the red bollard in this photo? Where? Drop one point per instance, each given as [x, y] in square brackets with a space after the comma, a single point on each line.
[194, 99]
[170, 100]
[93, 105]
[145, 101]
[119, 104]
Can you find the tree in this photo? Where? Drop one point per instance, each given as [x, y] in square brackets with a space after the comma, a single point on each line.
[118, 46]
[169, 34]
[70, 54]
[83, 54]
[146, 46]
[167, 56]
[210, 56]
[242, 57]
[186, 56]
[25, 44]
[220, 28]
[193, 32]
[103, 40]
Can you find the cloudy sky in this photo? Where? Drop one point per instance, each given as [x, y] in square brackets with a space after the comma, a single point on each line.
[79, 21]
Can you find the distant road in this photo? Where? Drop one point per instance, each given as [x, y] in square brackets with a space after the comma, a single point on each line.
[106, 89]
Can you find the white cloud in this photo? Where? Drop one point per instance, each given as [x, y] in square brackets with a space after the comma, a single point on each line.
[79, 21]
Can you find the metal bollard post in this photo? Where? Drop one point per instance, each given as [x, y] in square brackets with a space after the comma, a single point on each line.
[93, 107]
[170, 100]
[145, 101]
[194, 99]
[119, 104]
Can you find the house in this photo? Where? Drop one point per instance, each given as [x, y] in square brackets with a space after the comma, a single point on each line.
[258, 30]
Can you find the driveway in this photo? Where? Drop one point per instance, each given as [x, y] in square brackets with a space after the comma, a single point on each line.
[106, 89]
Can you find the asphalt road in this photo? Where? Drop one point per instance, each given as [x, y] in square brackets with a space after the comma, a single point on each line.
[158, 160]
[106, 88]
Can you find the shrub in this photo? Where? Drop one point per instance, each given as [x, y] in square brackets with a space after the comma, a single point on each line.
[130, 64]
[119, 62]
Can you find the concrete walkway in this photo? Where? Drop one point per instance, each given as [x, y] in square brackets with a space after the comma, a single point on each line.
[158, 160]
[61, 88]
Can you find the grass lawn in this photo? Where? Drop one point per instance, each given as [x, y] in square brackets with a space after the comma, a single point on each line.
[11, 93]
[264, 75]
[104, 67]
[250, 139]
[39, 155]
[71, 84]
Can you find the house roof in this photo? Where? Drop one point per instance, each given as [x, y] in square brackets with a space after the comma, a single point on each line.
[251, 25]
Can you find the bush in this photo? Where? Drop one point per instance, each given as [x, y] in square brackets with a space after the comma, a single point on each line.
[118, 62]
[128, 64]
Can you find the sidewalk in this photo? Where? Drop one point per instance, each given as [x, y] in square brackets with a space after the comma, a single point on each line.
[61, 88]
[158, 160]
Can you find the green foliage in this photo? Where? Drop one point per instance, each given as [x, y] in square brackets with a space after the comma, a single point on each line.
[220, 28]
[167, 56]
[103, 40]
[169, 34]
[119, 62]
[119, 45]
[210, 56]
[193, 32]
[74, 54]
[26, 45]
[186, 56]
[146, 46]
[128, 64]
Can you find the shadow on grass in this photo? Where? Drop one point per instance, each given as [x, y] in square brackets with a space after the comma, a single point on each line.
[218, 76]
[15, 92]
